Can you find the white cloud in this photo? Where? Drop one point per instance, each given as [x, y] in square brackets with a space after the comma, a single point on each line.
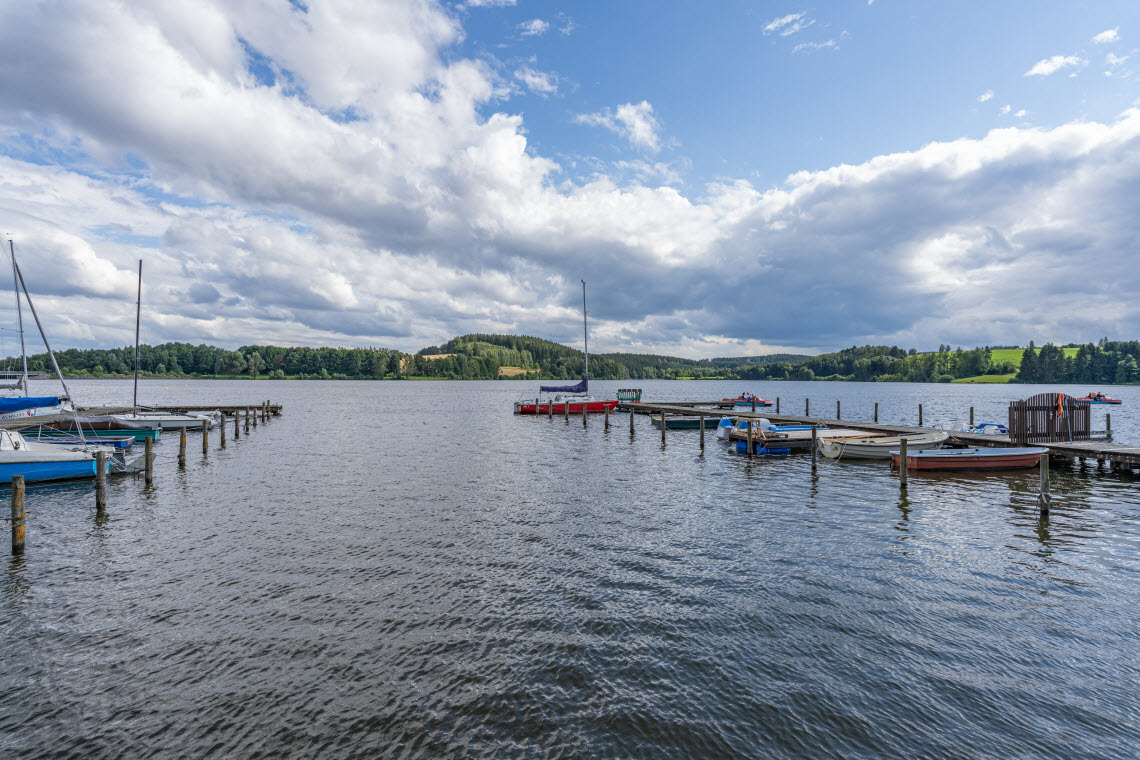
[1004, 110]
[1021, 113]
[1048, 66]
[987, 95]
[488, 3]
[635, 122]
[810, 46]
[1108, 35]
[541, 82]
[378, 198]
[788, 25]
[533, 28]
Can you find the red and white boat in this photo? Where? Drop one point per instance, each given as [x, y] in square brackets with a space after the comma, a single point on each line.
[971, 459]
[746, 399]
[568, 399]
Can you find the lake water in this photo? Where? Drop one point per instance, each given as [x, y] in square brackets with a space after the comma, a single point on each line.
[406, 569]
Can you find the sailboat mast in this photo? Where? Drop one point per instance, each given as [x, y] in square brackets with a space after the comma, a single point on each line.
[585, 332]
[138, 316]
[19, 316]
[43, 335]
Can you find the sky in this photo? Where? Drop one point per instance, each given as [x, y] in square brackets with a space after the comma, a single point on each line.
[731, 178]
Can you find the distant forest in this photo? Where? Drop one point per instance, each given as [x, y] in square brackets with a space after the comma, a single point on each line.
[485, 357]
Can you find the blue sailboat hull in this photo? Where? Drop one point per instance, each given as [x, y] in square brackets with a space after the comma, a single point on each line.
[36, 471]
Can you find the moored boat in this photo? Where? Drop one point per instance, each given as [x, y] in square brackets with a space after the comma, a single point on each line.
[100, 426]
[971, 459]
[683, 423]
[879, 447]
[39, 461]
[746, 400]
[168, 420]
[1099, 398]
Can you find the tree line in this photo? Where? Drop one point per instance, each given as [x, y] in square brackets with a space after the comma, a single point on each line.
[1104, 362]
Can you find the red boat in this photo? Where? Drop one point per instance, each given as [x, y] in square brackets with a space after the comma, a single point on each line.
[1100, 398]
[971, 459]
[746, 399]
[579, 405]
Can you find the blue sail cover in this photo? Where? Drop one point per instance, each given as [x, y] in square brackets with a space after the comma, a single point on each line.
[21, 403]
[579, 388]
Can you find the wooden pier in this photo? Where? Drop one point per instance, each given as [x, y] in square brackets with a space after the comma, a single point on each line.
[1119, 457]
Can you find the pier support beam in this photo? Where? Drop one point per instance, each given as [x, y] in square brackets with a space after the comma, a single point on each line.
[255, 418]
[662, 428]
[607, 418]
[838, 416]
[237, 431]
[1108, 425]
[971, 416]
[777, 404]
[182, 447]
[100, 481]
[702, 432]
[18, 517]
[902, 463]
[247, 419]
[222, 430]
[205, 437]
[814, 452]
[876, 411]
[920, 415]
[549, 410]
[1044, 498]
[750, 451]
[631, 421]
[148, 460]
[807, 407]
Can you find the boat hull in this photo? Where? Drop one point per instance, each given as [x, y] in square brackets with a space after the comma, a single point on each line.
[543, 407]
[169, 422]
[49, 470]
[134, 435]
[971, 459]
[1114, 401]
[871, 449]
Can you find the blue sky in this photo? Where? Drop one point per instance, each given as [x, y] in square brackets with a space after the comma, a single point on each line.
[731, 178]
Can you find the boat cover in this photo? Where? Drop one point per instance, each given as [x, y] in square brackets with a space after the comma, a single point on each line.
[20, 403]
[579, 388]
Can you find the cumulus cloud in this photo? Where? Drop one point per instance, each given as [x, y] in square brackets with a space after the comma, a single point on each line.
[987, 95]
[533, 28]
[1108, 35]
[786, 26]
[541, 82]
[635, 122]
[372, 196]
[1047, 66]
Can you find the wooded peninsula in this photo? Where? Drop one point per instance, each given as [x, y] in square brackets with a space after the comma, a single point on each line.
[487, 357]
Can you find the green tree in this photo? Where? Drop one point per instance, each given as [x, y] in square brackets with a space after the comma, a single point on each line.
[255, 363]
[1027, 373]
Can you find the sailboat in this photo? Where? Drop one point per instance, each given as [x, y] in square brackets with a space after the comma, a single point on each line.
[19, 407]
[163, 420]
[568, 399]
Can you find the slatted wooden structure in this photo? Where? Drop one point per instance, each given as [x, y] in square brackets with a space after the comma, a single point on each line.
[1049, 417]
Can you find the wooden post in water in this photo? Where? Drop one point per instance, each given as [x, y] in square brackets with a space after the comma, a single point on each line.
[902, 462]
[807, 407]
[971, 416]
[631, 420]
[566, 410]
[148, 459]
[1108, 425]
[754, 405]
[662, 427]
[18, 517]
[255, 418]
[237, 432]
[837, 410]
[750, 451]
[222, 429]
[777, 404]
[247, 420]
[876, 411]
[814, 441]
[702, 432]
[549, 410]
[100, 481]
[920, 415]
[182, 448]
[205, 437]
[584, 415]
[1044, 498]
[607, 418]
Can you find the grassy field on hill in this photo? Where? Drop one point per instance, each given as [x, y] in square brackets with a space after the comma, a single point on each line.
[1014, 355]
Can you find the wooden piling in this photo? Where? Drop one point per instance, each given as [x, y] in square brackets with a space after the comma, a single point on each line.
[1044, 498]
[148, 459]
[607, 418]
[777, 404]
[702, 432]
[255, 418]
[205, 437]
[807, 407]
[247, 420]
[223, 431]
[971, 416]
[920, 415]
[1108, 425]
[902, 463]
[838, 416]
[631, 421]
[566, 411]
[584, 415]
[814, 452]
[754, 405]
[876, 411]
[549, 410]
[237, 416]
[182, 447]
[750, 451]
[100, 481]
[662, 427]
[18, 516]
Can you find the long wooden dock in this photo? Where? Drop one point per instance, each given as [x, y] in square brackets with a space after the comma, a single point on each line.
[1119, 457]
[227, 410]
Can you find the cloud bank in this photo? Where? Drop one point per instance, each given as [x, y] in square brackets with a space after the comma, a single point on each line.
[334, 174]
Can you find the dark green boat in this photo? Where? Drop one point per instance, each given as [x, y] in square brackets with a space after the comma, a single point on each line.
[686, 423]
[96, 427]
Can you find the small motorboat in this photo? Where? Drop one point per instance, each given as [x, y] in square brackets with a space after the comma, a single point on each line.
[170, 420]
[745, 401]
[100, 426]
[40, 461]
[570, 403]
[971, 459]
[725, 427]
[1099, 398]
[879, 447]
[988, 428]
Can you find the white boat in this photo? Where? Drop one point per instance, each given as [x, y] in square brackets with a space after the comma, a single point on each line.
[170, 420]
[41, 461]
[880, 447]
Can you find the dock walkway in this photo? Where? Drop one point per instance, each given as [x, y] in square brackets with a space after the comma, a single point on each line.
[1100, 450]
